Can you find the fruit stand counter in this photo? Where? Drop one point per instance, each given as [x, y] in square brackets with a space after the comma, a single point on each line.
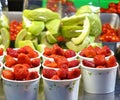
[82, 95]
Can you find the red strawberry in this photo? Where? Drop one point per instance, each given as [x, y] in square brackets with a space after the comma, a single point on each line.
[57, 50]
[88, 63]
[62, 73]
[49, 73]
[32, 75]
[65, 66]
[47, 51]
[73, 63]
[1, 51]
[99, 60]
[74, 73]
[35, 62]
[12, 52]
[55, 77]
[23, 59]
[51, 64]
[20, 72]
[10, 61]
[69, 53]
[111, 62]
[8, 74]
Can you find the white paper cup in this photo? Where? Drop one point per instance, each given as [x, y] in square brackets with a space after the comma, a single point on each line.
[2, 57]
[21, 90]
[99, 80]
[61, 89]
[1, 67]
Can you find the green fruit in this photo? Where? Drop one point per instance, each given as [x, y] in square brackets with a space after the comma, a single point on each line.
[95, 24]
[21, 36]
[23, 43]
[5, 37]
[84, 34]
[35, 42]
[53, 26]
[40, 47]
[43, 40]
[29, 36]
[36, 27]
[4, 22]
[73, 20]
[77, 48]
[84, 9]
[41, 14]
[50, 38]
[71, 31]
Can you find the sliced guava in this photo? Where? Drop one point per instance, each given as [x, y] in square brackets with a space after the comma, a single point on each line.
[5, 37]
[53, 26]
[84, 34]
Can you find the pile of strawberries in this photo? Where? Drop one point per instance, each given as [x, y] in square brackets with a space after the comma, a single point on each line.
[61, 74]
[61, 62]
[100, 62]
[57, 50]
[91, 51]
[20, 73]
[25, 55]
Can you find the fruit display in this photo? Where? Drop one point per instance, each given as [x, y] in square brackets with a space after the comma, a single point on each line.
[67, 6]
[112, 8]
[109, 34]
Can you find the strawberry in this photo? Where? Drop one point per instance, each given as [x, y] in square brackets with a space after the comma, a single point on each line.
[74, 73]
[35, 62]
[57, 50]
[23, 59]
[1, 51]
[62, 73]
[111, 62]
[99, 60]
[12, 52]
[22, 50]
[73, 63]
[49, 73]
[69, 53]
[88, 63]
[65, 66]
[8, 74]
[31, 52]
[20, 71]
[47, 51]
[32, 75]
[55, 77]
[51, 64]
[10, 61]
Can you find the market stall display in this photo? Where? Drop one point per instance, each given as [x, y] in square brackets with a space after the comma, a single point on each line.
[46, 32]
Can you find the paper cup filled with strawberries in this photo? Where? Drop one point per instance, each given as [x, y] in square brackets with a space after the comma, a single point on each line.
[24, 55]
[99, 74]
[61, 84]
[20, 83]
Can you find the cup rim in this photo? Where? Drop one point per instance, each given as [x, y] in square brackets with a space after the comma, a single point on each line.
[65, 80]
[18, 81]
[99, 69]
